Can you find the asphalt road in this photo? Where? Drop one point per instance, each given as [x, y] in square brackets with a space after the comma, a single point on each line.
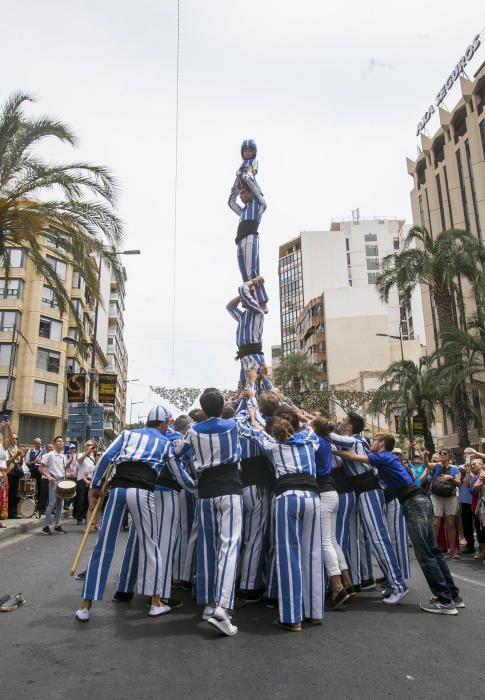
[368, 651]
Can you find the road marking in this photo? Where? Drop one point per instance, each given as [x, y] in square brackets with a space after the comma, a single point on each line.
[18, 538]
[468, 580]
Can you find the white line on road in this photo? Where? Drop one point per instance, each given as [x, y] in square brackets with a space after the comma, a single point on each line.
[468, 580]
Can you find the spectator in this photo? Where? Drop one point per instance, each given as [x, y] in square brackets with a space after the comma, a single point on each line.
[445, 479]
[53, 469]
[85, 469]
[44, 485]
[5, 438]
[33, 460]
[477, 482]
[465, 497]
[15, 473]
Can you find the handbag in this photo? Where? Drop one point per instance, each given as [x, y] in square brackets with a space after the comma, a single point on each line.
[443, 488]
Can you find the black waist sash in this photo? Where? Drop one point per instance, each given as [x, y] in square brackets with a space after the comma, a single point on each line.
[223, 480]
[408, 491]
[167, 480]
[389, 495]
[134, 475]
[342, 480]
[296, 482]
[364, 482]
[326, 483]
[246, 228]
[257, 471]
[249, 349]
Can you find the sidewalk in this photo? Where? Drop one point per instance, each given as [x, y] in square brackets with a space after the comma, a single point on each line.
[20, 526]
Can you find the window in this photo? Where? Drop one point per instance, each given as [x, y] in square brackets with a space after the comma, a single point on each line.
[371, 277]
[421, 211]
[395, 243]
[73, 365]
[4, 386]
[5, 353]
[48, 328]
[372, 263]
[11, 288]
[48, 298]
[482, 134]
[348, 258]
[370, 237]
[59, 267]
[463, 190]
[48, 360]
[45, 393]
[77, 280]
[372, 251]
[473, 189]
[440, 200]
[17, 257]
[8, 320]
[77, 306]
[347, 244]
[73, 332]
[448, 196]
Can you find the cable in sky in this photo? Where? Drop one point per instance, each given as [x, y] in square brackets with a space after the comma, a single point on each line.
[175, 187]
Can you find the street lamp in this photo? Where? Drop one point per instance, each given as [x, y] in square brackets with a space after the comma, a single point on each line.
[408, 416]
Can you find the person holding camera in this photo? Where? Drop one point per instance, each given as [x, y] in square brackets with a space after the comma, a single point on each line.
[444, 479]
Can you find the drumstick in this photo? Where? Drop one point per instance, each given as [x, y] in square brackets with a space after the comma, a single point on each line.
[90, 523]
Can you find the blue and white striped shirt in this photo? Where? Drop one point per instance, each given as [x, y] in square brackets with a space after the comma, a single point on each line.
[252, 210]
[249, 448]
[354, 443]
[214, 441]
[297, 456]
[250, 319]
[145, 445]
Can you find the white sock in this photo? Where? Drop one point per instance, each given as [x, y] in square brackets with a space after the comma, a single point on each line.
[208, 610]
[220, 614]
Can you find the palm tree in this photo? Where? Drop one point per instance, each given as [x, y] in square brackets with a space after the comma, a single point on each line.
[297, 372]
[444, 264]
[65, 206]
[410, 388]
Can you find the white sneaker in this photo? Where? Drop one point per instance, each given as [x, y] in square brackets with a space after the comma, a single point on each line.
[208, 612]
[157, 610]
[395, 597]
[83, 615]
[225, 626]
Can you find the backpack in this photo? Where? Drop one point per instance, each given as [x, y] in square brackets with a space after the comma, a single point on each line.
[443, 488]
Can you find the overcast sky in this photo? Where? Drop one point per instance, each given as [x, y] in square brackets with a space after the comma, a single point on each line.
[331, 93]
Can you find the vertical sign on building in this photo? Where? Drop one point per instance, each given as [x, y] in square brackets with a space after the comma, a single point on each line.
[107, 388]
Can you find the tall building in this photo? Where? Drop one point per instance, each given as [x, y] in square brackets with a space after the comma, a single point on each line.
[330, 309]
[449, 185]
[34, 355]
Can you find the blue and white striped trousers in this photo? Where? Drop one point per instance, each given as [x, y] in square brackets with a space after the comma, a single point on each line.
[365, 549]
[255, 523]
[348, 533]
[270, 559]
[299, 556]
[141, 505]
[190, 563]
[248, 261]
[167, 507]
[186, 518]
[371, 511]
[218, 545]
[398, 533]
[250, 362]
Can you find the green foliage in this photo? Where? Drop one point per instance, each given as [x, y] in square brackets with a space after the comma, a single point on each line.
[297, 373]
[69, 207]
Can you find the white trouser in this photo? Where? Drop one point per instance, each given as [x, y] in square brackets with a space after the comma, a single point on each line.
[333, 557]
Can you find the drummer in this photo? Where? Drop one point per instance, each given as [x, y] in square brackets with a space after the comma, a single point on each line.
[53, 468]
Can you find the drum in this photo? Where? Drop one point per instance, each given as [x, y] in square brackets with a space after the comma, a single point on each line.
[26, 508]
[66, 489]
[26, 488]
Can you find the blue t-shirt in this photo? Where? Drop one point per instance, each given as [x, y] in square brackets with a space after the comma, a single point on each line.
[453, 471]
[392, 472]
[323, 457]
[419, 470]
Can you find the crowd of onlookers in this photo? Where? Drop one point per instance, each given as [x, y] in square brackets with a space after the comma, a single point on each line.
[35, 472]
[457, 490]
